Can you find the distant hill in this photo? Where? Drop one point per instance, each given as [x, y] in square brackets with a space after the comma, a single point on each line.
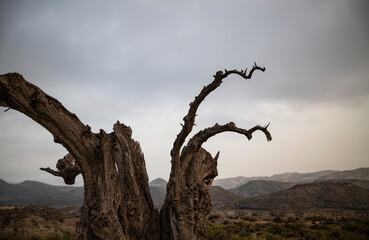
[158, 182]
[359, 174]
[260, 187]
[158, 189]
[39, 194]
[321, 195]
[229, 183]
[301, 177]
[157, 195]
[220, 197]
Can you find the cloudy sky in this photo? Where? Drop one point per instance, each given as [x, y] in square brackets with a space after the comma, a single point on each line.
[142, 63]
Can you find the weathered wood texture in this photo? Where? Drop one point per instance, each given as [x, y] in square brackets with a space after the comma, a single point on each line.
[117, 202]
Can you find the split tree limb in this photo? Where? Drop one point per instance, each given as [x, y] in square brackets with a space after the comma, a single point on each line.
[189, 119]
[67, 129]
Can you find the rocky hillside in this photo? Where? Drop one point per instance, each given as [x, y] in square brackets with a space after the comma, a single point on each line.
[360, 173]
[36, 220]
[320, 195]
[356, 182]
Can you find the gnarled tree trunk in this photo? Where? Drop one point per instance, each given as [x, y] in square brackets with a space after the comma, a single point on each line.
[117, 202]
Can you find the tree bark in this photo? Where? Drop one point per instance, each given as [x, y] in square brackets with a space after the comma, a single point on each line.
[117, 203]
[187, 201]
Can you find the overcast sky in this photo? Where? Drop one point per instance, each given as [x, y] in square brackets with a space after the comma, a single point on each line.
[143, 62]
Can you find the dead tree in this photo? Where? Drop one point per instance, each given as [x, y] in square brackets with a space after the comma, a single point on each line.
[117, 203]
[187, 201]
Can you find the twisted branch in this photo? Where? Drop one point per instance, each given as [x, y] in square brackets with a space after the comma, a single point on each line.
[18, 94]
[243, 73]
[198, 139]
[189, 119]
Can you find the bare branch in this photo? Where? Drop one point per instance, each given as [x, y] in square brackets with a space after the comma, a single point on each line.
[51, 171]
[244, 73]
[198, 139]
[189, 119]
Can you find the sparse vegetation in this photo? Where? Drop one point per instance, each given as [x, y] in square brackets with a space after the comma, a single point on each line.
[37, 223]
[315, 227]
[221, 226]
[63, 235]
[213, 216]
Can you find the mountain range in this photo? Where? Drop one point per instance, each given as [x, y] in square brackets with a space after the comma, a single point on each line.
[260, 187]
[360, 173]
[39, 194]
[310, 196]
[340, 189]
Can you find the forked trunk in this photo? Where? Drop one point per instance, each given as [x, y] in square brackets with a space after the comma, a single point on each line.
[188, 201]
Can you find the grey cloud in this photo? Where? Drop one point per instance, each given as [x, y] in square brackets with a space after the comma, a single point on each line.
[175, 46]
[128, 60]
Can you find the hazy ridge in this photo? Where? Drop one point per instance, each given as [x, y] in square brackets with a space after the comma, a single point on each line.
[260, 187]
[39, 194]
[360, 173]
[341, 189]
